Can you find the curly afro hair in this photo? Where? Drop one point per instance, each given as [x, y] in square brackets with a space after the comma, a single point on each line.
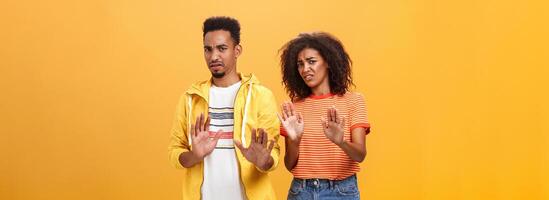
[331, 50]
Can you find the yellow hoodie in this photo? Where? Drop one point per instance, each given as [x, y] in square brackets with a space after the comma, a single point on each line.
[254, 107]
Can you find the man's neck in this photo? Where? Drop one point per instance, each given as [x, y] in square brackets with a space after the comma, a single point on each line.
[226, 80]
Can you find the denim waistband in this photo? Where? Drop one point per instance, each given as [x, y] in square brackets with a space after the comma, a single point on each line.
[318, 182]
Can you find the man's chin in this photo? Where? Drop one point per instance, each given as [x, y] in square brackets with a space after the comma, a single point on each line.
[218, 74]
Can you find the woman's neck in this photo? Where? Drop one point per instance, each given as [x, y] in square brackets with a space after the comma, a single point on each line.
[321, 89]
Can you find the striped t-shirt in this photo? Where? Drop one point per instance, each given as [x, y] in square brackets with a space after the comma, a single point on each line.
[221, 173]
[318, 156]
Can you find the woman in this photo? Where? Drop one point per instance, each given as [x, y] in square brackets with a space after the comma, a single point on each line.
[325, 124]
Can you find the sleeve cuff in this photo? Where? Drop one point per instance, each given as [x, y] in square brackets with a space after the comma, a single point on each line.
[175, 157]
[366, 126]
[283, 132]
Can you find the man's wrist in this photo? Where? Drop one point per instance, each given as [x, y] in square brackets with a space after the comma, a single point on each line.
[196, 156]
[267, 165]
[189, 159]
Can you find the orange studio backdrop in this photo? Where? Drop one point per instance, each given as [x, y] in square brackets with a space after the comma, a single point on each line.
[456, 90]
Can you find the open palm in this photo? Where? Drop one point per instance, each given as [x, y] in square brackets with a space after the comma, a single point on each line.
[333, 126]
[202, 143]
[291, 121]
[258, 153]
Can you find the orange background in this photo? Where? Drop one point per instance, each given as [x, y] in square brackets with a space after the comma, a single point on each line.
[457, 92]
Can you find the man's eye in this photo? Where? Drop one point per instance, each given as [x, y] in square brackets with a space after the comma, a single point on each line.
[311, 62]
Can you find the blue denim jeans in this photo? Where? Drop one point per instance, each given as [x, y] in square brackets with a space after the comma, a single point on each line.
[313, 189]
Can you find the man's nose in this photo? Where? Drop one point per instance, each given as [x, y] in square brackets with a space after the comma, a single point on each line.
[215, 56]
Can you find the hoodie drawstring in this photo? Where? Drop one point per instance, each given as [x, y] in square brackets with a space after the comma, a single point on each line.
[190, 109]
[243, 129]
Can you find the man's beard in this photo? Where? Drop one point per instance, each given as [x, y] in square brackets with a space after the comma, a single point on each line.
[218, 74]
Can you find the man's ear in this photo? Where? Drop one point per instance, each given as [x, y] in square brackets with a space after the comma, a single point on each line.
[238, 50]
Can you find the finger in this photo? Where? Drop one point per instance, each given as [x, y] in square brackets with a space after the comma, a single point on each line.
[285, 108]
[324, 122]
[336, 117]
[217, 135]
[271, 145]
[265, 137]
[291, 108]
[300, 118]
[215, 138]
[342, 122]
[196, 126]
[202, 127]
[207, 124]
[198, 123]
[260, 135]
[253, 136]
[238, 144]
[193, 132]
[329, 115]
[333, 114]
[213, 142]
[331, 119]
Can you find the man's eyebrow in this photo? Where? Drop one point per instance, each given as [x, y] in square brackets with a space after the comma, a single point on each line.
[309, 58]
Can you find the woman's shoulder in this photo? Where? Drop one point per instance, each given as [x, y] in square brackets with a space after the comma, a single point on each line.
[353, 95]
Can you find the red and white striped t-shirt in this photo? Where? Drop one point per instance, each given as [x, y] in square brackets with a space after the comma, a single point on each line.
[318, 156]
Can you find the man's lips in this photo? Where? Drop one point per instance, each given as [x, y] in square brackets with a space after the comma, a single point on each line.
[216, 65]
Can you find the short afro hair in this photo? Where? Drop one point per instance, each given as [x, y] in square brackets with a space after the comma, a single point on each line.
[223, 23]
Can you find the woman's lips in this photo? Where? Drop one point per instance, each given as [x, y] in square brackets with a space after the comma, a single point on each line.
[308, 77]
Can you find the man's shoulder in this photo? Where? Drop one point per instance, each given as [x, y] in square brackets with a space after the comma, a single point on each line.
[196, 86]
[262, 90]
[200, 83]
[260, 86]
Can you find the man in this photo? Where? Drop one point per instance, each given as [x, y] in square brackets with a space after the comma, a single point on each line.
[216, 115]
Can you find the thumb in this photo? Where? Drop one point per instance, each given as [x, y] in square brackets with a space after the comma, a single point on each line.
[238, 144]
[217, 136]
[271, 145]
[324, 122]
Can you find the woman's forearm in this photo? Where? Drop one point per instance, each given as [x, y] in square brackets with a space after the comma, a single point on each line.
[292, 154]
